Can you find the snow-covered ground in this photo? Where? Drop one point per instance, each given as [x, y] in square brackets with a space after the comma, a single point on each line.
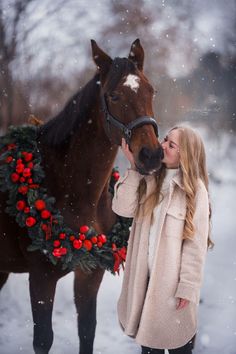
[217, 311]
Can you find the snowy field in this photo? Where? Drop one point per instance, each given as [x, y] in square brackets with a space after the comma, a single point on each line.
[217, 311]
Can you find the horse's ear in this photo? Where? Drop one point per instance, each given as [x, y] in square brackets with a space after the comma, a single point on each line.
[136, 54]
[101, 59]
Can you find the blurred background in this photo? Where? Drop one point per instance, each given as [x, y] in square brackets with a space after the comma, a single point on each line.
[45, 55]
[190, 59]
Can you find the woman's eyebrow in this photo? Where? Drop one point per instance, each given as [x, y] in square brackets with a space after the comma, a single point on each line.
[172, 142]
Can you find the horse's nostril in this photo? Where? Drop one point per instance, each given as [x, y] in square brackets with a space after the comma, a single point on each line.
[146, 155]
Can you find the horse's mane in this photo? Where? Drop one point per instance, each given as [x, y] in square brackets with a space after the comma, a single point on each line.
[58, 130]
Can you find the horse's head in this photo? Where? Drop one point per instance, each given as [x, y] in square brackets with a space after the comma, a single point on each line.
[126, 100]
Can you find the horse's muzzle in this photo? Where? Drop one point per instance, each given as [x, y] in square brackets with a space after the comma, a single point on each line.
[149, 160]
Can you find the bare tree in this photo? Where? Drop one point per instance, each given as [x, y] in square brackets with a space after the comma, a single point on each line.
[8, 48]
[14, 32]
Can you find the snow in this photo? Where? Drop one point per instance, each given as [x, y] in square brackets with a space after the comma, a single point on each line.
[217, 310]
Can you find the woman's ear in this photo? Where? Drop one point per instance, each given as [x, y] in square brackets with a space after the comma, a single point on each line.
[136, 54]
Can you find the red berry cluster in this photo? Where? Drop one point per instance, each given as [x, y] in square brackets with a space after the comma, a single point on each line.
[78, 242]
[23, 172]
[39, 214]
[23, 177]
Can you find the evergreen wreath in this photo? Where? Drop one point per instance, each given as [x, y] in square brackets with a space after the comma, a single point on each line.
[21, 174]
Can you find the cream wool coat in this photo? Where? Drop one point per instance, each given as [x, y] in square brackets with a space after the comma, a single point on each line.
[147, 309]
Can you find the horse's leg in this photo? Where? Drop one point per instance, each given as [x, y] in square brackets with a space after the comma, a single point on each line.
[42, 290]
[3, 279]
[85, 293]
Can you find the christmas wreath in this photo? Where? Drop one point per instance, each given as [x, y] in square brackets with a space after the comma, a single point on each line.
[21, 174]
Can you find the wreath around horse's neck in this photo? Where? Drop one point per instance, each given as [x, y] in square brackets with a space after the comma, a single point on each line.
[21, 174]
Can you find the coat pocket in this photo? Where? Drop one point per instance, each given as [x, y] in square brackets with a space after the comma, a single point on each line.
[174, 222]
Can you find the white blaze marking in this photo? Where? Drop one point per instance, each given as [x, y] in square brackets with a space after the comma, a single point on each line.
[132, 81]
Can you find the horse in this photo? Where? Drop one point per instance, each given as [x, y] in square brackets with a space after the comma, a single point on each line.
[79, 145]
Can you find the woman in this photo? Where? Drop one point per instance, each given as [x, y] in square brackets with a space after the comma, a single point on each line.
[167, 246]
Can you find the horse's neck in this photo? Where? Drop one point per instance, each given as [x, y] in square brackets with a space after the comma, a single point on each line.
[80, 174]
[93, 157]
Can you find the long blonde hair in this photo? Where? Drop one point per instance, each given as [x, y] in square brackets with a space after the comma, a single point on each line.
[192, 167]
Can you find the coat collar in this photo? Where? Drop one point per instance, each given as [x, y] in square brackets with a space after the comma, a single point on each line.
[178, 180]
[151, 184]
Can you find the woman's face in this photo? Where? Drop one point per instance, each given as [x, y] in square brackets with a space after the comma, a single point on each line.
[170, 147]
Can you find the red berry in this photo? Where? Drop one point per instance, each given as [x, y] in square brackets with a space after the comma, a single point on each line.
[18, 161]
[56, 243]
[20, 168]
[99, 244]
[45, 214]
[94, 239]
[83, 229]
[44, 227]
[30, 181]
[116, 175]
[27, 172]
[72, 238]
[28, 156]
[34, 186]
[30, 221]
[58, 252]
[26, 210]
[62, 236]
[20, 205]
[30, 165]
[11, 146]
[40, 204]
[102, 238]
[63, 250]
[22, 179]
[88, 245]
[8, 159]
[82, 237]
[23, 189]
[14, 177]
[77, 244]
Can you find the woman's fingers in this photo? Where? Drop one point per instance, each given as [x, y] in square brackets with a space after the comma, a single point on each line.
[125, 146]
[182, 303]
[127, 152]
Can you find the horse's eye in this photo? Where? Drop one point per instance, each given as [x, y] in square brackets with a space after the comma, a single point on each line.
[114, 97]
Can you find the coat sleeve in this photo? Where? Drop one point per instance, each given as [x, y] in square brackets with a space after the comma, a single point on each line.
[194, 251]
[125, 200]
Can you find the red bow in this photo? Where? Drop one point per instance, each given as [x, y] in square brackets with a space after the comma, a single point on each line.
[119, 258]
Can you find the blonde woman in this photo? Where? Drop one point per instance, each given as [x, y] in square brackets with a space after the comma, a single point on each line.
[167, 246]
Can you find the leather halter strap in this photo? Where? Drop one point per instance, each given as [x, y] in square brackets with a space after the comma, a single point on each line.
[126, 129]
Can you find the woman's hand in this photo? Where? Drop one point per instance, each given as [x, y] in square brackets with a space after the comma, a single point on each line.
[128, 154]
[182, 303]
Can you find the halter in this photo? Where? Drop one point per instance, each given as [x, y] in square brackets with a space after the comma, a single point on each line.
[126, 129]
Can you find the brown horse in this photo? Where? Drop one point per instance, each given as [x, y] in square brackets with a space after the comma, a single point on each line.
[80, 145]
